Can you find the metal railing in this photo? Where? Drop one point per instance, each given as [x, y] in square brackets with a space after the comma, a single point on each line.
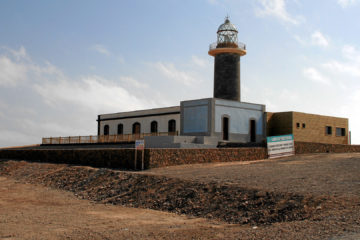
[103, 138]
[230, 45]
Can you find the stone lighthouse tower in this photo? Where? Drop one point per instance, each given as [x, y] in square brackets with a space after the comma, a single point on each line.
[227, 52]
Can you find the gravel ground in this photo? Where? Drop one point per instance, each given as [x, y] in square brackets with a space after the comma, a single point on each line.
[330, 181]
[317, 174]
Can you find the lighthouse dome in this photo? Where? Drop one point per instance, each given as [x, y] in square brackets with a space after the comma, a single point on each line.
[227, 35]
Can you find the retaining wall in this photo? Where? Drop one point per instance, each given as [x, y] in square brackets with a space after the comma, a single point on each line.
[170, 157]
[124, 158]
[307, 147]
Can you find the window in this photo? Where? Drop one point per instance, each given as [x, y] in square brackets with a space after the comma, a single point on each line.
[120, 129]
[340, 132]
[172, 126]
[106, 130]
[328, 130]
[154, 127]
[303, 125]
[298, 125]
[136, 128]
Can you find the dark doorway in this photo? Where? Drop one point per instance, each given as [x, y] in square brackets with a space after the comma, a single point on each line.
[136, 128]
[106, 130]
[252, 131]
[120, 129]
[172, 126]
[154, 127]
[225, 128]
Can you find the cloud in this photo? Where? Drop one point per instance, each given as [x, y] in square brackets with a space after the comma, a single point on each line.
[91, 92]
[277, 9]
[13, 66]
[170, 71]
[11, 72]
[350, 67]
[132, 82]
[54, 104]
[100, 49]
[347, 3]
[316, 76]
[318, 39]
[213, 2]
[315, 39]
[200, 62]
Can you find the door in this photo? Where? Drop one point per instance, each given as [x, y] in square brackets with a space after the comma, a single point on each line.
[225, 128]
[252, 131]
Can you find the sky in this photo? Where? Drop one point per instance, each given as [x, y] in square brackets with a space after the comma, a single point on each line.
[62, 63]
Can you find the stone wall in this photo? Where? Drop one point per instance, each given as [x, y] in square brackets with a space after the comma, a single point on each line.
[153, 158]
[307, 147]
[170, 157]
[113, 158]
[124, 158]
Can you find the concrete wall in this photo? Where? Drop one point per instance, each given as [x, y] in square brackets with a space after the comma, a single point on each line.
[204, 117]
[239, 115]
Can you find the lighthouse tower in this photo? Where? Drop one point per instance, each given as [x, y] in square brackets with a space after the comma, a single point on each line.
[227, 52]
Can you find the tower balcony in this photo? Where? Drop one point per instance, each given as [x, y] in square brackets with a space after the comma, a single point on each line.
[227, 47]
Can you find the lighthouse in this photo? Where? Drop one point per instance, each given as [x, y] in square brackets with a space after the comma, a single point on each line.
[227, 52]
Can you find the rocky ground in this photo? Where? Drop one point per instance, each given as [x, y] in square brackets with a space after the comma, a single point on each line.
[300, 197]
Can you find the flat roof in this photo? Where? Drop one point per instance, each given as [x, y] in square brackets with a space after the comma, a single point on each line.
[140, 113]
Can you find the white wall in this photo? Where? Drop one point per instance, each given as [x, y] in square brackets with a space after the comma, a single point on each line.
[240, 115]
[239, 119]
[145, 123]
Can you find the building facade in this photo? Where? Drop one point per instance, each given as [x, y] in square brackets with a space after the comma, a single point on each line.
[158, 120]
[309, 127]
[223, 117]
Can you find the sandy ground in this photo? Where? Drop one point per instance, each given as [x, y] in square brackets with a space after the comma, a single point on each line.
[32, 211]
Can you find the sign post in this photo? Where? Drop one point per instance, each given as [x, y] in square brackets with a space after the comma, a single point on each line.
[139, 145]
[280, 146]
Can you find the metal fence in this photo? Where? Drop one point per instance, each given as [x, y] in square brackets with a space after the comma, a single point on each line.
[224, 45]
[103, 138]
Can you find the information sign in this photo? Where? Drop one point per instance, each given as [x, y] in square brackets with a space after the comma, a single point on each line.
[280, 146]
[139, 144]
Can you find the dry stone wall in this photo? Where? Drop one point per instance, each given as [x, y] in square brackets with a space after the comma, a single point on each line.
[153, 158]
[306, 147]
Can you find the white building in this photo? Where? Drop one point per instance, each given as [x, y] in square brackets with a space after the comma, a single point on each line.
[207, 121]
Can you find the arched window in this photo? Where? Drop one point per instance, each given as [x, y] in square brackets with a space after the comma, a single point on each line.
[120, 129]
[154, 127]
[136, 128]
[106, 130]
[172, 126]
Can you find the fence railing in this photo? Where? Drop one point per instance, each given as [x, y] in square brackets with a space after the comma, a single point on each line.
[103, 138]
[225, 45]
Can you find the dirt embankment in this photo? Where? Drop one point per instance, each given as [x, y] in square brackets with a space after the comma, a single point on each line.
[230, 203]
